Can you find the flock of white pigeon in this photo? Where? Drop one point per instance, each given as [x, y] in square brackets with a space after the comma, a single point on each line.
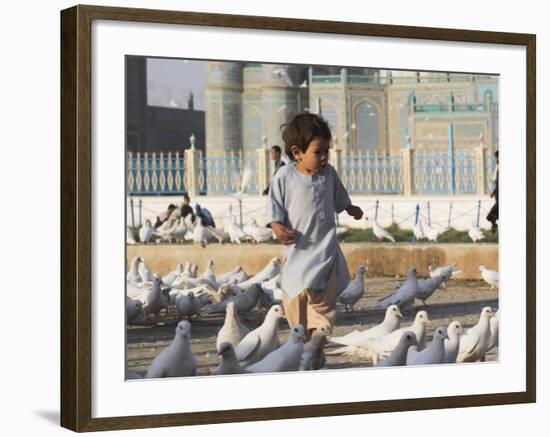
[187, 295]
[180, 229]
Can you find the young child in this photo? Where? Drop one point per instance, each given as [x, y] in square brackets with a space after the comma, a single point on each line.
[303, 199]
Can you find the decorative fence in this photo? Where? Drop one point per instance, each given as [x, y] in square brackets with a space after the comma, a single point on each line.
[371, 173]
[466, 171]
[151, 173]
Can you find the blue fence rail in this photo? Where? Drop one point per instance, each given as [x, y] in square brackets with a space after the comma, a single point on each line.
[371, 173]
[430, 172]
[156, 173]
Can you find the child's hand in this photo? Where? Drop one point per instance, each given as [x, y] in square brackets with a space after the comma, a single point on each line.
[283, 234]
[355, 212]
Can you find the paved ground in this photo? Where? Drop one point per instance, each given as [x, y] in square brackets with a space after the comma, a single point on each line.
[461, 300]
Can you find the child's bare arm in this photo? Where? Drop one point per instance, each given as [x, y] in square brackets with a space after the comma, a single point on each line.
[283, 234]
[355, 212]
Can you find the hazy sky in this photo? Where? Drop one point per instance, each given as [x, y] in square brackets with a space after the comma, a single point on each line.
[170, 80]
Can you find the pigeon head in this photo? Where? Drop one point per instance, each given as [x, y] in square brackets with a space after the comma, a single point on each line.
[191, 295]
[487, 312]
[422, 316]
[440, 333]
[482, 268]
[411, 273]
[409, 337]
[148, 223]
[297, 332]
[455, 328]
[361, 270]
[430, 268]
[324, 330]
[277, 312]
[394, 311]
[184, 328]
[225, 349]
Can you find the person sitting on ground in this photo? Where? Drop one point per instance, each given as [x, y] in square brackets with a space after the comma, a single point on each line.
[163, 216]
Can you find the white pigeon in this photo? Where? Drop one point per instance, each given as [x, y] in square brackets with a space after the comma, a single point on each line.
[209, 274]
[225, 277]
[489, 276]
[358, 339]
[493, 326]
[258, 233]
[134, 309]
[381, 233]
[399, 355]
[434, 354]
[170, 277]
[286, 358]
[475, 341]
[177, 359]
[130, 237]
[133, 273]
[236, 234]
[181, 230]
[261, 341]
[418, 230]
[272, 269]
[201, 234]
[233, 330]
[167, 233]
[228, 360]
[155, 299]
[272, 288]
[446, 271]
[475, 233]
[454, 331]
[404, 296]
[433, 234]
[384, 346]
[239, 277]
[146, 232]
[355, 289]
[144, 272]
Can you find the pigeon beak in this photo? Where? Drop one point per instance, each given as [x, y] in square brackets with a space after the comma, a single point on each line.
[399, 314]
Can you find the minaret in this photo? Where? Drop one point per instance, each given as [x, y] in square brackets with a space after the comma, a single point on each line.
[223, 91]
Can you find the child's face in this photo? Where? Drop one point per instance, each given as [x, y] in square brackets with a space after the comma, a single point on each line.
[315, 158]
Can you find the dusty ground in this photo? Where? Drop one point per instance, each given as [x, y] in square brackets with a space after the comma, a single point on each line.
[461, 300]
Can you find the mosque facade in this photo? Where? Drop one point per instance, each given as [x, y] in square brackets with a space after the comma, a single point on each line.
[369, 110]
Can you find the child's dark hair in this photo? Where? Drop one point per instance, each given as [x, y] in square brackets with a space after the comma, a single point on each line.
[302, 129]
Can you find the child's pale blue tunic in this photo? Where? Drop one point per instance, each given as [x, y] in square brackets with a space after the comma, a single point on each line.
[307, 204]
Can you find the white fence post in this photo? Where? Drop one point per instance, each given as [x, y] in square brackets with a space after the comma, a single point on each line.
[334, 158]
[192, 157]
[408, 156]
[480, 163]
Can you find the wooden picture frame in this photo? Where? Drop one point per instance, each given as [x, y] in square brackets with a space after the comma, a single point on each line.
[76, 222]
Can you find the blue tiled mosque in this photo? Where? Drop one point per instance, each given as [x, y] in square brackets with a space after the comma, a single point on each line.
[369, 110]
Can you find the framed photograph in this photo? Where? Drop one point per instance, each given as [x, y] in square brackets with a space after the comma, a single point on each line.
[268, 218]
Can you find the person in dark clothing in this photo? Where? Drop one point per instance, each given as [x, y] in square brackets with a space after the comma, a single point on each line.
[493, 213]
[277, 163]
[186, 208]
[164, 216]
[204, 216]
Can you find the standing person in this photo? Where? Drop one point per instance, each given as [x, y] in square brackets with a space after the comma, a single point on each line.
[493, 213]
[303, 199]
[277, 163]
[186, 208]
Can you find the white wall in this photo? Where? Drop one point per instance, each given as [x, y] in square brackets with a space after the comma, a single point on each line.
[30, 178]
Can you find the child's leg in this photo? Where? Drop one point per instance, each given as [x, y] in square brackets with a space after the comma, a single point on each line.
[296, 309]
[321, 308]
